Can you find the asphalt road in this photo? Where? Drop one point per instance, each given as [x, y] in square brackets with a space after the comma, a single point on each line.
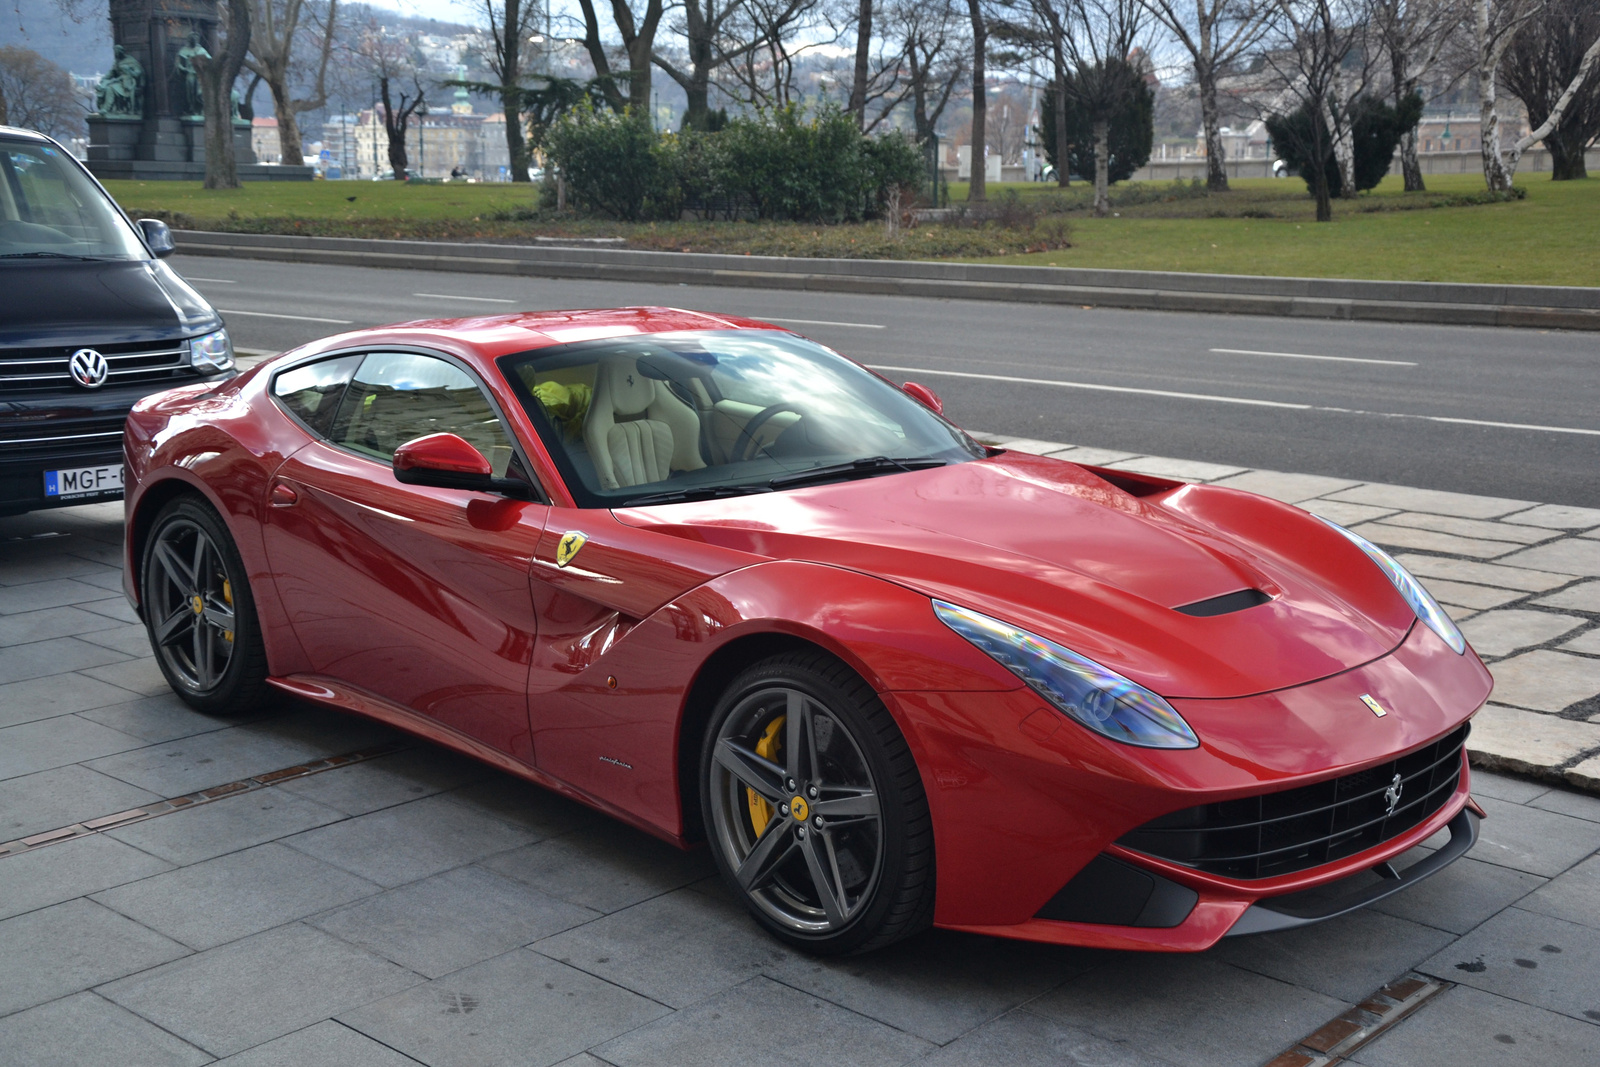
[1513, 413]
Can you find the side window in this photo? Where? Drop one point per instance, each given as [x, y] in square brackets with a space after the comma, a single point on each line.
[311, 393]
[398, 396]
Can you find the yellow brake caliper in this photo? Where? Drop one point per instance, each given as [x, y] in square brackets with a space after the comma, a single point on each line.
[227, 597]
[766, 748]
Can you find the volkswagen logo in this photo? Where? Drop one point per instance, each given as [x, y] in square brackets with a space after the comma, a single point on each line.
[88, 368]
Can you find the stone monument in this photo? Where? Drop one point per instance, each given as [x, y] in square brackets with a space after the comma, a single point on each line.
[148, 123]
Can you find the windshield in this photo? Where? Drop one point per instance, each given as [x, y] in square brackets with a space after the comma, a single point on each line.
[684, 416]
[49, 208]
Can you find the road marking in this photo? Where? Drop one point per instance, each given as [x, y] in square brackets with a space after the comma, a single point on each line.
[210, 281]
[825, 322]
[294, 318]
[454, 296]
[1301, 355]
[1248, 401]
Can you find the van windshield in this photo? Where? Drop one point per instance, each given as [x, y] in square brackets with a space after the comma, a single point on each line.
[49, 208]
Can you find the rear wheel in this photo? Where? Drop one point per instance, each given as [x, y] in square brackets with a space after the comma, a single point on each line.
[815, 809]
[199, 612]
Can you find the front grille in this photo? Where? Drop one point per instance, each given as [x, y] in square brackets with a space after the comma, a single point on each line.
[24, 440]
[27, 370]
[1280, 833]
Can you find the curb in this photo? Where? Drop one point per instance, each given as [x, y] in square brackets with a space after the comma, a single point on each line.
[1544, 307]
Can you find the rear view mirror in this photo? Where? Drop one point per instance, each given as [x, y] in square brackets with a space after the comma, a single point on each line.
[924, 396]
[158, 237]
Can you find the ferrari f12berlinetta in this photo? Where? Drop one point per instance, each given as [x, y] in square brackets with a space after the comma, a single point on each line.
[723, 583]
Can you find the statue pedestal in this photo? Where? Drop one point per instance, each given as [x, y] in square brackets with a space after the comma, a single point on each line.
[113, 138]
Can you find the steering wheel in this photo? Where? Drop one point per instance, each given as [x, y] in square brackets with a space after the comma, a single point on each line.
[747, 446]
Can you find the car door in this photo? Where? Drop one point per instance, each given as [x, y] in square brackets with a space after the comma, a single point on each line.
[415, 594]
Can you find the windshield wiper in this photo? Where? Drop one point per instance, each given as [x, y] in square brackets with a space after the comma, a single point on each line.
[704, 492]
[860, 468]
[45, 255]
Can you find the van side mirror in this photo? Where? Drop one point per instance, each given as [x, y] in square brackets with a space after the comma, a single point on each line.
[924, 396]
[158, 237]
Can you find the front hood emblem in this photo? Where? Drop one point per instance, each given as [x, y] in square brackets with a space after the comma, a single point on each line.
[1391, 795]
[1373, 706]
[88, 368]
[570, 543]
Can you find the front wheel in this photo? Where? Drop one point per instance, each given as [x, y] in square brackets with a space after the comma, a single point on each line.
[199, 611]
[815, 808]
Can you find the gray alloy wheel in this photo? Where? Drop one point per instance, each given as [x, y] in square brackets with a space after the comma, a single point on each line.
[198, 611]
[814, 808]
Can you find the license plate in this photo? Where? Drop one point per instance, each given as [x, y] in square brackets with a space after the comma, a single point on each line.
[83, 481]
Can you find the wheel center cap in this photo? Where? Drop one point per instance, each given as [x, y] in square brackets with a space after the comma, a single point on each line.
[799, 808]
[197, 604]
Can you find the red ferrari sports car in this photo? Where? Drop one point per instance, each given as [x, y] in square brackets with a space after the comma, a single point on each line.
[725, 584]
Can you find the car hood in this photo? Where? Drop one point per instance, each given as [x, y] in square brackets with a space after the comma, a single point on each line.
[46, 302]
[1058, 549]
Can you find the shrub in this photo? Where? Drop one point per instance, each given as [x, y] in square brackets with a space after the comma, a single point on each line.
[615, 163]
[1130, 134]
[1376, 129]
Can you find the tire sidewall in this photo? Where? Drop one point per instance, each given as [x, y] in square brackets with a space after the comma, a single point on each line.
[846, 708]
[235, 691]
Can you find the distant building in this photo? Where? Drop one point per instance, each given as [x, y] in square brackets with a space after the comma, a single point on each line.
[264, 139]
[436, 143]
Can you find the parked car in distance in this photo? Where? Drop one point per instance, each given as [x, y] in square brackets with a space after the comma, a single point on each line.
[91, 321]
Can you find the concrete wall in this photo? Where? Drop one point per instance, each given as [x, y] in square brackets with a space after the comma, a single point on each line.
[1534, 161]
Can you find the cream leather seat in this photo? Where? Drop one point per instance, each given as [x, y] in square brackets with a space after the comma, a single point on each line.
[637, 431]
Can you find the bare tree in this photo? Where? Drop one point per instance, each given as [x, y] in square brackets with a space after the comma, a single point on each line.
[509, 23]
[1098, 37]
[1495, 25]
[977, 190]
[1311, 41]
[390, 62]
[275, 45]
[36, 94]
[863, 67]
[1215, 33]
[638, 34]
[923, 57]
[783, 31]
[1413, 33]
[717, 33]
[1544, 58]
[217, 74]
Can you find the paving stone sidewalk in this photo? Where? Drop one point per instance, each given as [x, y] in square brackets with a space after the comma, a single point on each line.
[421, 908]
[1522, 579]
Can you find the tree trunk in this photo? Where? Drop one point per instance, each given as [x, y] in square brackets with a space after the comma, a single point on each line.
[1566, 156]
[516, 143]
[217, 74]
[1337, 116]
[858, 84]
[1495, 173]
[1319, 189]
[1063, 162]
[397, 152]
[1410, 165]
[1216, 161]
[1102, 163]
[288, 126]
[510, 83]
[978, 190]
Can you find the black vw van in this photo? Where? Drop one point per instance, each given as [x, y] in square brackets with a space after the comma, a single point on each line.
[90, 322]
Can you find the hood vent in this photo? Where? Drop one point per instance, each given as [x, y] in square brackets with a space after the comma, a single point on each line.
[1226, 604]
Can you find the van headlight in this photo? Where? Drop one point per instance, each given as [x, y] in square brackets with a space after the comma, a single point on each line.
[1422, 603]
[211, 353]
[1095, 696]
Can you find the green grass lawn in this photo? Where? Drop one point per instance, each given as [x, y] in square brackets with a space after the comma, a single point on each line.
[1262, 226]
[1550, 238]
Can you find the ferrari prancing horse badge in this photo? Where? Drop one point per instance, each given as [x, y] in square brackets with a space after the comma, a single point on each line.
[1366, 698]
[570, 543]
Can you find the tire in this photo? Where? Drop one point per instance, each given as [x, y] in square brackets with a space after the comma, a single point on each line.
[814, 807]
[199, 611]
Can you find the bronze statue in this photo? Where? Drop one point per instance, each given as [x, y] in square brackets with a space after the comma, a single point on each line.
[120, 93]
[189, 76]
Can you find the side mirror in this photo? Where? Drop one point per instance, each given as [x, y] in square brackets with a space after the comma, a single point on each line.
[158, 237]
[443, 461]
[924, 396]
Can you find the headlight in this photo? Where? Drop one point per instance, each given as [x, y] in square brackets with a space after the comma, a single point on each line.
[211, 353]
[1100, 699]
[1426, 608]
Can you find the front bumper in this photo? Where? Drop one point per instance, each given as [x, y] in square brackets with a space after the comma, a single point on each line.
[1024, 800]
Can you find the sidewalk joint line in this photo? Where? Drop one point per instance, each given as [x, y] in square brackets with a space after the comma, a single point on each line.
[120, 819]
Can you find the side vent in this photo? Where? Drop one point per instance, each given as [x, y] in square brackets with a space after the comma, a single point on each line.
[1226, 604]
